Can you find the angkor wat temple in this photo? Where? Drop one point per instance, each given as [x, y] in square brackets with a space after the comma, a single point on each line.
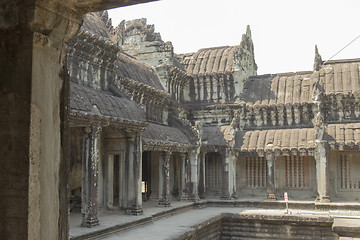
[99, 118]
[147, 123]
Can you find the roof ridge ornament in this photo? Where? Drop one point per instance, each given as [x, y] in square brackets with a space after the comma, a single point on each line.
[318, 62]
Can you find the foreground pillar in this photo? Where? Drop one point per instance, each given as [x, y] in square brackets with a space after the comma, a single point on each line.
[89, 192]
[135, 170]
[321, 154]
[164, 180]
[270, 184]
[33, 101]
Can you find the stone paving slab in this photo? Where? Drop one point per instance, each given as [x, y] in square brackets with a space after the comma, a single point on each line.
[118, 220]
[175, 226]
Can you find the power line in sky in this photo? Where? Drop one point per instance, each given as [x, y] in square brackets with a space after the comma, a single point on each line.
[341, 49]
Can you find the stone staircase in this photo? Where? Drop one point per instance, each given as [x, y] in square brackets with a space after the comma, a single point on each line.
[241, 228]
[234, 226]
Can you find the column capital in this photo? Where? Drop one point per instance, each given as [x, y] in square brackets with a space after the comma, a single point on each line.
[132, 135]
[166, 154]
[94, 129]
[269, 155]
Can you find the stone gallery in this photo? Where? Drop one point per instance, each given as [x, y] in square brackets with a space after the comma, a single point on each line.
[99, 118]
[147, 123]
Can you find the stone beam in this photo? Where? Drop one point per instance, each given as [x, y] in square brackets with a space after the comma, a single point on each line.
[97, 5]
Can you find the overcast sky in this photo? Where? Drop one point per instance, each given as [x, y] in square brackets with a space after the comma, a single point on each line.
[284, 32]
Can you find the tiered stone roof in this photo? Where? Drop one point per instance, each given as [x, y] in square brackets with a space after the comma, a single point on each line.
[98, 23]
[86, 103]
[340, 76]
[275, 111]
[283, 141]
[158, 137]
[343, 136]
[130, 68]
[209, 61]
[273, 89]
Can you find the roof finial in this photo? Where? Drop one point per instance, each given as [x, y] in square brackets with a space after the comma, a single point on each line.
[317, 60]
[248, 31]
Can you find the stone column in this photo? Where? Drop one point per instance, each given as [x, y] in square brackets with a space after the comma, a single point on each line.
[90, 159]
[202, 189]
[321, 154]
[225, 191]
[164, 180]
[270, 184]
[34, 95]
[232, 175]
[110, 182]
[183, 177]
[135, 175]
[193, 185]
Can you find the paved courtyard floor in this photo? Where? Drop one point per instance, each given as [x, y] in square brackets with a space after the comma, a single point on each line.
[168, 223]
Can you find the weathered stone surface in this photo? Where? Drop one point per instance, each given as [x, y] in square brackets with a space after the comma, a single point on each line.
[215, 88]
[346, 227]
[32, 45]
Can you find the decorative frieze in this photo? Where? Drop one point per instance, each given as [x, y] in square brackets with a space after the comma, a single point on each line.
[267, 116]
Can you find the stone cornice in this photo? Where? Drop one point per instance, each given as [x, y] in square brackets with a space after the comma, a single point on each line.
[167, 147]
[94, 49]
[148, 92]
[278, 152]
[79, 119]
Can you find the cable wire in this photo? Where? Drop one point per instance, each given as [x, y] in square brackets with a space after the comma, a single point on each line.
[341, 50]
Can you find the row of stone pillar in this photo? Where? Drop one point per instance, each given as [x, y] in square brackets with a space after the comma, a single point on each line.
[133, 170]
[188, 182]
[321, 159]
[228, 187]
[90, 160]
[193, 188]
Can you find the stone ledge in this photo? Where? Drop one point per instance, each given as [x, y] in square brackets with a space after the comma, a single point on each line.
[346, 227]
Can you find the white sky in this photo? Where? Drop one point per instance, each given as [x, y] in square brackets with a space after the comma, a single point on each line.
[284, 32]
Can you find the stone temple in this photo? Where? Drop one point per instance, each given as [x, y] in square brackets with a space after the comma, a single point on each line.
[131, 121]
